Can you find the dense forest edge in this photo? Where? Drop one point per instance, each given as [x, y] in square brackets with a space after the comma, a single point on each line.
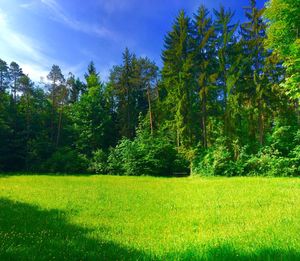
[225, 102]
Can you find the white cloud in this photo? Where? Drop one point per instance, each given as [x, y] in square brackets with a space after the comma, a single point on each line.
[59, 15]
[36, 73]
[22, 49]
[28, 5]
[27, 52]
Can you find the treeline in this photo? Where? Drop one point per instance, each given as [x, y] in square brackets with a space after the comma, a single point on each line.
[223, 104]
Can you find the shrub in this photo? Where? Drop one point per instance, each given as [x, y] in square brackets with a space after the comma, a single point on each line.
[98, 163]
[295, 159]
[145, 155]
[65, 160]
[216, 161]
[269, 162]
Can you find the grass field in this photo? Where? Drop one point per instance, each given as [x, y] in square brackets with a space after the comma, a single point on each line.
[121, 218]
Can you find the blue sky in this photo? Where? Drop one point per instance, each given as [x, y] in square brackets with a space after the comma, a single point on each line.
[70, 33]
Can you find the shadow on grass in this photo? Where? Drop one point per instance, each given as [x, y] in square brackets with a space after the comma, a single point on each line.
[29, 233]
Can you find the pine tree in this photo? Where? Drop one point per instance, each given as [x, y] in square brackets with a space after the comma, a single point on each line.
[228, 61]
[75, 88]
[129, 84]
[253, 37]
[122, 90]
[57, 94]
[205, 64]
[15, 73]
[179, 80]
[26, 87]
[4, 76]
[91, 118]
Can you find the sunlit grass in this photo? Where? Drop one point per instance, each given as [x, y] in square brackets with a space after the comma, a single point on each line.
[106, 217]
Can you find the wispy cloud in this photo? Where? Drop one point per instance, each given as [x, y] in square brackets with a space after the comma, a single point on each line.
[16, 40]
[28, 52]
[111, 6]
[21, 49]
[59, 15]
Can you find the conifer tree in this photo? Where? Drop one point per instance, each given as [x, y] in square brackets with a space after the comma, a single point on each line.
[228, 61]
[57, 94]
[15, 73]
[179, 80]
[4, 76]
[205, 64]
[253, 36]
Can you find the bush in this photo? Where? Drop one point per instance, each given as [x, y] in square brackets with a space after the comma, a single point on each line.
[215, 161]
[220, 160]
[65, 160]
[269, 162]
[295, 159]
[145, 155]
[98, 163]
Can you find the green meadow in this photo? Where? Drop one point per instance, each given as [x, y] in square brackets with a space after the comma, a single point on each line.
[145, 218]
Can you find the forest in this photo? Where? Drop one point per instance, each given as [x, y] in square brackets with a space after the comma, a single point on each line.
[224, 103]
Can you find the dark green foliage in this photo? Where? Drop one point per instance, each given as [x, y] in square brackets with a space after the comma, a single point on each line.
[65, 160]
[217, 160]
[5, 130]
[98, 162]
[179, 82]
[141, 156]
[268, 161]
[4, 76]
[15, 72]
[130, 88]
[146, 155]
[91, 119]
[76, 88]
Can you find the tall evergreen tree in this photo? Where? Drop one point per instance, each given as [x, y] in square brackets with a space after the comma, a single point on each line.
[4, 76]
[144, 80]
[15, 73]
[129, 84]
[228, 61]
[179, 81]
[57, 93]
[26, 87]
[253, 36]
[91, 118]
[205, 64]
[75, 88]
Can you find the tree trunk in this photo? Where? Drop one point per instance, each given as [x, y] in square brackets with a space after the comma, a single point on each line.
[52, 112]
[59, 126]
[261, 124]
[204, 116]
[15, 90]
[27, 130]
[128, 114]
[1, 82]
[150, 110]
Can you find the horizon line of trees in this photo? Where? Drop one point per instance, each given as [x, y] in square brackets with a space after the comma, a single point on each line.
[225, 102]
